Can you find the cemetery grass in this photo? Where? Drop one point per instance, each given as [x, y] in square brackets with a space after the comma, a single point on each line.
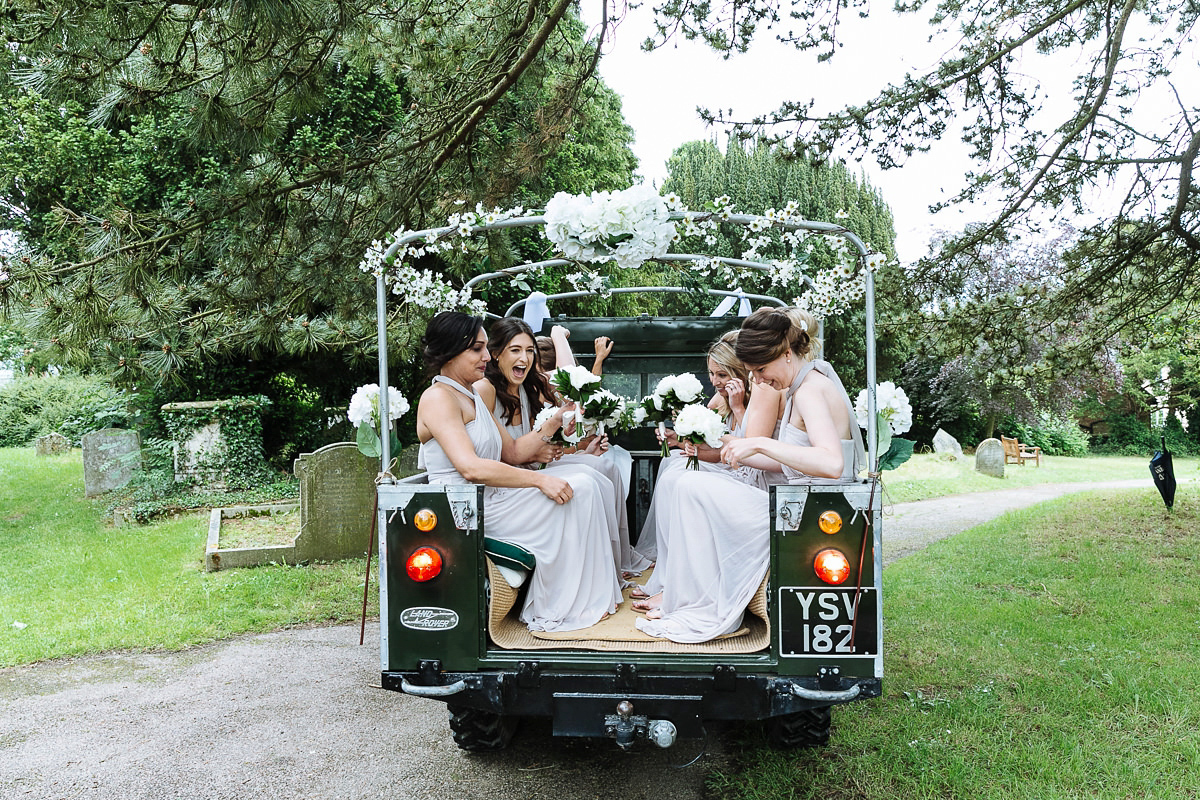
[1048, 654]
[927, 475]
[71, 584]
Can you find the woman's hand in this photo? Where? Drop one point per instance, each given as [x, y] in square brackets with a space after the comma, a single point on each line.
[735, 394]
[598, 445]
[555, 488]
[604, 346]
[548, 452]
[559, 332]
[736, 450]
[670, 438]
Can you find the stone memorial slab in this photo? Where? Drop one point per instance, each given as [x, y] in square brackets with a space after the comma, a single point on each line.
[337, 495]
[109, 458]
[944, 443]
[989, 458]
[51, 444]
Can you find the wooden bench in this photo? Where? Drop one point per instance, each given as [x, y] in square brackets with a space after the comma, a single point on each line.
[1017, 453]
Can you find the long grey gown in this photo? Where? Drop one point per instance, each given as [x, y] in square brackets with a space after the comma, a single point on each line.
[625, 557]
[575, 581]
[714, 546]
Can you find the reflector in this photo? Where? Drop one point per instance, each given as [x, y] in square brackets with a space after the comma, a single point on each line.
[425, 520]
[830, 522]
[424, 564]
[831, 566]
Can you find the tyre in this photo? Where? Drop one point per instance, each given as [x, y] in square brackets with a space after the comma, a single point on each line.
[809, 728]
[480, 731]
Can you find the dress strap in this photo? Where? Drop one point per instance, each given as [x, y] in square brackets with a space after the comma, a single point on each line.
[454, 385]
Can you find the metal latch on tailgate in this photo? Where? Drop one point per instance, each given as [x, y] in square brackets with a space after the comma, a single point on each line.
[788, 514]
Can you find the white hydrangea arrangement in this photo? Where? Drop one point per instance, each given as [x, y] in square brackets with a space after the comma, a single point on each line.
[364, 414]
[699, 424]
[893, 414]
[629, 226]
[575, 382]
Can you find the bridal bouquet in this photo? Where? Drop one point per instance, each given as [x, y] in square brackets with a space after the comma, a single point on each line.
[670, 396]
[575, 383]
[603, 412]
[698, 424]
[893, 415]
[560, 436]
[364, 413]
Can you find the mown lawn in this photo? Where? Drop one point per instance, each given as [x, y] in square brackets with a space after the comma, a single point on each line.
[926, 475]
[1050, 653]
[72, 584]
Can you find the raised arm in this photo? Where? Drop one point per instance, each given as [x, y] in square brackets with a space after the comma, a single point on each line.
[563, 357]
[604, 346]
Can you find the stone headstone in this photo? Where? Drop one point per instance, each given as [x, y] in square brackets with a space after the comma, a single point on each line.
[109, 458]
[337, 495]
[945, 443]
[51, 444]
[989, 458]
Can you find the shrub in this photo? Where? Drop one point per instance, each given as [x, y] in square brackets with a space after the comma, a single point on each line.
[1127, 436]
[70, 404]
[1057, 436]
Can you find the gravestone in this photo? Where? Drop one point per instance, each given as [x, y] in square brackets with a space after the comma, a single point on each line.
[947, 444]
[989, 458]
[51, 444]
[337, 495]
[109, 458]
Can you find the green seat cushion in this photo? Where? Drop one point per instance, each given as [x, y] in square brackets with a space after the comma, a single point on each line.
[507, 554]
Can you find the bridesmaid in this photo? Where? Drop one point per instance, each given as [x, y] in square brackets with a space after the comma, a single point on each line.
[559, 516]
[515, 389]
[718, 526]
[745, 412]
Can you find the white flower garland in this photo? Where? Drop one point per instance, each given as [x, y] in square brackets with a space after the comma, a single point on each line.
[631, 227]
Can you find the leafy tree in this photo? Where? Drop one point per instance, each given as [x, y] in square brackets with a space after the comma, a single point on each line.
[194, 185]
[1039, 155]
[758, 176]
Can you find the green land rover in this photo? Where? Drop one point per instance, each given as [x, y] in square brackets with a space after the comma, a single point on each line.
[449, 627]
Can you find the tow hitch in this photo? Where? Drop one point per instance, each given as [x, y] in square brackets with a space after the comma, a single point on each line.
[626, 728]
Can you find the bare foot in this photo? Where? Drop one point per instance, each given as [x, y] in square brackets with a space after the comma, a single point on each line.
[654, 613]
[647, 605]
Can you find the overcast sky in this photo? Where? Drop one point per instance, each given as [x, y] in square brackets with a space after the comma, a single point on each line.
[662, 89]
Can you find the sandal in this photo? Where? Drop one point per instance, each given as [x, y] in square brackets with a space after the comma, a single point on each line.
[637, 592]
[645, 606]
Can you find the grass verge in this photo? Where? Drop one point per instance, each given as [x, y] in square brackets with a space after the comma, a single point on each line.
[926, 475]
[1048, 654]
[79, 586]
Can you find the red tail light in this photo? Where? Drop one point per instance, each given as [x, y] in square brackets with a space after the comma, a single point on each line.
[424, 564]
[831, 566]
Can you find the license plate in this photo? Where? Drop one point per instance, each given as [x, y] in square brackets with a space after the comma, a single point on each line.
[819, 621]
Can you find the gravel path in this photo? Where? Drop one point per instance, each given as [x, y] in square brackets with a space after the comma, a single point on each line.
[298, 714]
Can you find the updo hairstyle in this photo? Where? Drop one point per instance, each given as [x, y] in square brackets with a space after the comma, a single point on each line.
[447, 334]
[547, 355]
[538, 389]
[770, 332]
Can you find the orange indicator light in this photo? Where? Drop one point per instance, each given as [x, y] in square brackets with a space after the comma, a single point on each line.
[830, 522]
[425, 520]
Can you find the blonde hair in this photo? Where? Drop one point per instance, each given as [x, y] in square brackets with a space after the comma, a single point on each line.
[724, 354]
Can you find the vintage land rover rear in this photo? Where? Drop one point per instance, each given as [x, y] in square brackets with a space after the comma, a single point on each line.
[810, 639]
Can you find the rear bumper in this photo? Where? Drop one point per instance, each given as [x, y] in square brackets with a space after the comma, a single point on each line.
[578, 702]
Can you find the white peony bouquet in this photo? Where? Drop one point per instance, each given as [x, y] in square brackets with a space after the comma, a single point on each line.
[603, 412]
[893, 416]
[575, 383]
[698, 424]
[629, 226]
[364, 413]
[669, 397]
[560, 436]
